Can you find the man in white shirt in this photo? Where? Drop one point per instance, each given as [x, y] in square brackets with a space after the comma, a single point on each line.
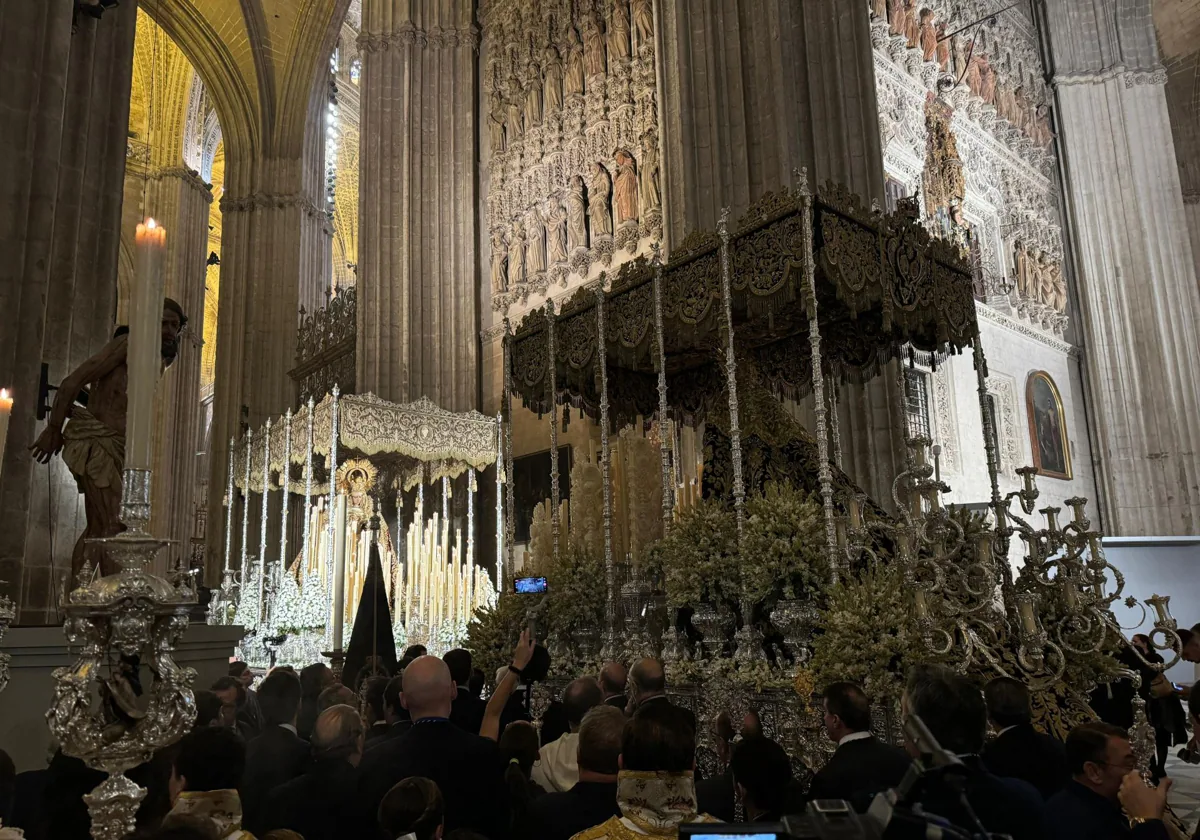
[557, 769]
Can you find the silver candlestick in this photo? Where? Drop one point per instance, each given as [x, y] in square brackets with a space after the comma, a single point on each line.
[121, 622]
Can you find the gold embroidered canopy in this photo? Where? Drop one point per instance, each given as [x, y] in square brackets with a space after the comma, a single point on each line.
[407, 442]
[884, 287]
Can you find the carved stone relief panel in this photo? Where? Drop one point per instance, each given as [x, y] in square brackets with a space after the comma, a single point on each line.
[966, 119]
[1012, 452]
[572, 124]
[945, 420]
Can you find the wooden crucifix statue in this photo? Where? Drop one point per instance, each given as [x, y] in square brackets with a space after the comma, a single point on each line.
[93, 442]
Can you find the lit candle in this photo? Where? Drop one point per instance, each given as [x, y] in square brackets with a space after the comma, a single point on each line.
[855, 512]
[6, 403]
[144, 354]
[339, 570]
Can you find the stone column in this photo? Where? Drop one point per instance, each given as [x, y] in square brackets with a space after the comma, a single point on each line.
[180, 200]
[64, 113]
[418, 318]
[752, 89]
[1139, 300]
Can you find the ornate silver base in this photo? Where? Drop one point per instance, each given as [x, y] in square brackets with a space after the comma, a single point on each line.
[113, 806]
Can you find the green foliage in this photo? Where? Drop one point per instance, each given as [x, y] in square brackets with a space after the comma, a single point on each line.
[697, 561]
[577, 592]
[493, 633]
[870, 634]
[783, 546]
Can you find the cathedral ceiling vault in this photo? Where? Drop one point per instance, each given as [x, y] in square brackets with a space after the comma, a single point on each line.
[260, 61]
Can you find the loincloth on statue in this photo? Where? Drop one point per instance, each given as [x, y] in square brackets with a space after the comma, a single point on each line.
[92, 450]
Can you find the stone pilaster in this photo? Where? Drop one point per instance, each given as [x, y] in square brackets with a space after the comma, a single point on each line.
[180, 201]
[752, 89]
[418, 318]
[64, 113]
[1139, 300]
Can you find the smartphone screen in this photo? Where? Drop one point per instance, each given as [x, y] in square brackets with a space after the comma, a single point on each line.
[530, 585]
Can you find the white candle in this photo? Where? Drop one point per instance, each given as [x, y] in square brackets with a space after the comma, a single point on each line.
[339, 570]
[144, 354]
[6, 403]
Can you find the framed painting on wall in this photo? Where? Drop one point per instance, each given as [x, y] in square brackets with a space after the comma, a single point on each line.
[1047, 427]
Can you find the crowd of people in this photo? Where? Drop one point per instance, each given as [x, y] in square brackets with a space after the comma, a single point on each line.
[421, 755]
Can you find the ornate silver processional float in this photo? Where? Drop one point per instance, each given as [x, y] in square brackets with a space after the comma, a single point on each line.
[807, 292]
[328, 469]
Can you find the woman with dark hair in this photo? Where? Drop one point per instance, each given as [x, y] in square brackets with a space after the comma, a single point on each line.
[413, 810]
[519, 749]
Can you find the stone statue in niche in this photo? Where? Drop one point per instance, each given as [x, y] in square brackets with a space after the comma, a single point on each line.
[618, 31]
[599, 207]
[1059, 286]
[499, 262]
[975, 74]
[943, 48]
[896, 16]
[533, 96]
[576, 215]
[879, 9]
[513, 125]
[650, 195]
[552, 81]
[1042, 134]
[1020, 268]
[1003, 101]
[593, 47]
[929, 35]
[535, 248]
[555, 215]
[987, 81]
[573, 84]
[496, 122]
[643, 22]
[912, 24]
[1020, 109]
[516, 255]
[1046, 293]
[626, 188]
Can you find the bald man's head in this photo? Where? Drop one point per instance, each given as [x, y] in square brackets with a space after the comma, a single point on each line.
[338, 733]
[428, 688]
[648, 679]
[612, 679]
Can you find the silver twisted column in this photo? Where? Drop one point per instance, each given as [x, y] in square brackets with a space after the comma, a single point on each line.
[735, 431]
[553, 385]
[610, 583]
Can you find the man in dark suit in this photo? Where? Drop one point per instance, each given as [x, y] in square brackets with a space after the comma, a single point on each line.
[395, 714]
[467, 768]
[467, 710]
[1104, 778]
[648, 686]
[762, 774]
[952, 709]
[592, 799]
[862, 765]
[278, 755]
[1019, 751]
[612, 682]
[319, 805]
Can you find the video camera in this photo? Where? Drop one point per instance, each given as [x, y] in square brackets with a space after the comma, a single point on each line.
[897, 813]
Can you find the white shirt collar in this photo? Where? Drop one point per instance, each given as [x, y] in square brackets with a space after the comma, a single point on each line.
[1005, 729]
[854, 736]
[289, 728]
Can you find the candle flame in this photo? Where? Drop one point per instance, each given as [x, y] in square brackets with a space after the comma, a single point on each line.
[150, 223]
[4, 394]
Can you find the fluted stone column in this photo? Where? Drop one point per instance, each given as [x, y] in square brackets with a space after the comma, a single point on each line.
[417, 273]
[180, 201]
[752, 89]
[1139, 299]
[64, 113]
